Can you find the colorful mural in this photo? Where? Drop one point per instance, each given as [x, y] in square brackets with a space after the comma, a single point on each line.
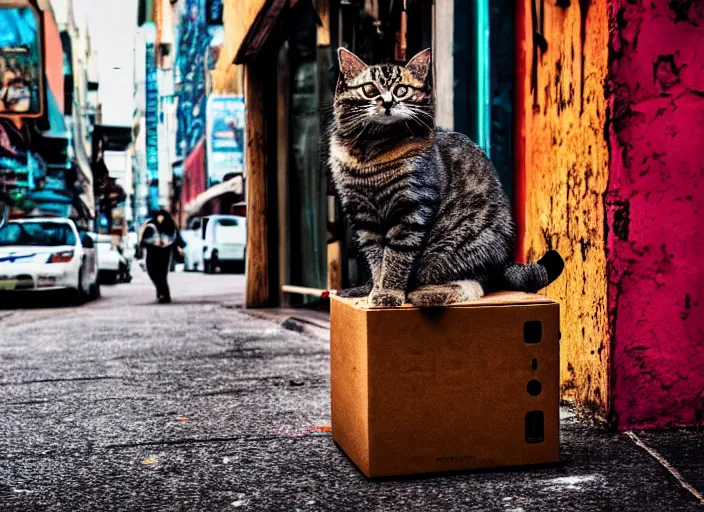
[191, 63]
[152, 127]
[21, 70]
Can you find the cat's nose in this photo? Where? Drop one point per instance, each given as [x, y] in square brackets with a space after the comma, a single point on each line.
[387, 100]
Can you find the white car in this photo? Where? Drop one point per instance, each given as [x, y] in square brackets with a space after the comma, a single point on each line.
[216, 241]
[130, 243]
[48, 254]
[193, 252]
[113, 265]
[109, 259]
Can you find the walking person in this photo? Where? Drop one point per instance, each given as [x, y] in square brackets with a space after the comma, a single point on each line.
[161, 239]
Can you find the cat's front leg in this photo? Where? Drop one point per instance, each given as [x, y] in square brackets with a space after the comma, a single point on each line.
[403, 246]
[390, 290]
[369, 245]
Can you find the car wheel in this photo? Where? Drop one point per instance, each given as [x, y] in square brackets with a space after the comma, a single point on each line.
[214, 262]
[109, 277]
[95, 290]
[78, 295]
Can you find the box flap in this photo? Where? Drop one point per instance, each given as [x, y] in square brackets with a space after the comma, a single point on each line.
[493, 299]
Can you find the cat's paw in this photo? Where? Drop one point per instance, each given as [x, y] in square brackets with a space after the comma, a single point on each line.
[386, 298]
[356, 292]
[432, 296]
[438, 295]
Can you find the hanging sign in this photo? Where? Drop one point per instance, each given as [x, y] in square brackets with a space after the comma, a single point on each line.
[224, 137]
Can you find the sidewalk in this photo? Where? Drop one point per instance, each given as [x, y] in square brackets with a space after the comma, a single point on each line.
[599, 469]
[201, 406]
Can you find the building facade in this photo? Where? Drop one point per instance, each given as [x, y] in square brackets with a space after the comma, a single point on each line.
[591, 125]
[290, 49]
[42, 171]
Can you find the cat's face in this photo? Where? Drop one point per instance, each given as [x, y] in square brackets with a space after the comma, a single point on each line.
[383, 95]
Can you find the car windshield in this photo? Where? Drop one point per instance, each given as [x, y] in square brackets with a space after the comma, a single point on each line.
[50, 234]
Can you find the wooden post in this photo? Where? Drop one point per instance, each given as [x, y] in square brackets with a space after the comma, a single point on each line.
[257, 261]
[402, 36]
[444, 22]
[334, 248]
[282, 186]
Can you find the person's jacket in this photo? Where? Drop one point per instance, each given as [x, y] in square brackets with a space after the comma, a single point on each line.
[151, 236]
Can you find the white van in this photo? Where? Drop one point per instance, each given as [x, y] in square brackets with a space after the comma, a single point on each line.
[215, 241]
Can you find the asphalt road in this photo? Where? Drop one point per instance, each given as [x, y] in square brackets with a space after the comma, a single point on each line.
[124, 404]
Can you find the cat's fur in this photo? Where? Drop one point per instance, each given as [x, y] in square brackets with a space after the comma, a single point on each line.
[426, 205]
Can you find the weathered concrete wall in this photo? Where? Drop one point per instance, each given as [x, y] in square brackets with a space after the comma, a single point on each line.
[655, 203]
[566, 166]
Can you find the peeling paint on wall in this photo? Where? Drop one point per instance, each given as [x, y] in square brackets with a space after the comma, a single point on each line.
[654, 206]
[565, 179]
[614, 182]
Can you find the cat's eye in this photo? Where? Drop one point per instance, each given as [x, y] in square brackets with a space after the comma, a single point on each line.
[401, 91]
[370, 91]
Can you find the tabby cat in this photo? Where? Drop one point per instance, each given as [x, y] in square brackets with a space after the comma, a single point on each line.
[425, 205]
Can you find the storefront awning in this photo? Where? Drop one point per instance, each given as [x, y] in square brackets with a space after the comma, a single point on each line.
[194, 174]
[267, 24]
[231, 186]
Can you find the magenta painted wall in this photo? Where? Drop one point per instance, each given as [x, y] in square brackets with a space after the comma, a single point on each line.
[655, 213]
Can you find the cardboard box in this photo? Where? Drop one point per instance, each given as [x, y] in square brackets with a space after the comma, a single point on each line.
[470, 386]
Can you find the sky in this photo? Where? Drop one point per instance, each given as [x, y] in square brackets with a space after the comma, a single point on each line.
[112, 26]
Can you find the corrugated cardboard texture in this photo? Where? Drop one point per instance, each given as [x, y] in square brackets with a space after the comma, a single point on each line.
[416, 391]
[348, 383]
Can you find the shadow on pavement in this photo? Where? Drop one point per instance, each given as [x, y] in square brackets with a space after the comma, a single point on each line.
[36, 300]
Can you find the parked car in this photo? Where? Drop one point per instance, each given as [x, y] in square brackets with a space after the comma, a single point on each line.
[48, 254]
[127, 253]
[113, 266]
[193, 252]
[216, 241]
[130, 242]
[108, 259]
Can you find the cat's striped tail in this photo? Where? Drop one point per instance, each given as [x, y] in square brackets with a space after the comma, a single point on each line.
[535, 276]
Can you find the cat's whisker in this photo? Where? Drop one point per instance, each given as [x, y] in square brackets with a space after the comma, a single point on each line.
[418, 119]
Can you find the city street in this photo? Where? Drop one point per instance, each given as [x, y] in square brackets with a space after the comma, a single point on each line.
[124, 404]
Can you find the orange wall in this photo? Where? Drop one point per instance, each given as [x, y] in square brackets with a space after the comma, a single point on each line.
[565, 176]
[54, 55]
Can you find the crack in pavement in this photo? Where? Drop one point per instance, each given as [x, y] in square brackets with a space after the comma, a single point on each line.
[664, 463]
[68, 379]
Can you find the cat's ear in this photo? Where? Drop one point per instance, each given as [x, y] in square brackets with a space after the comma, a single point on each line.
[419, 65]
[351, 66]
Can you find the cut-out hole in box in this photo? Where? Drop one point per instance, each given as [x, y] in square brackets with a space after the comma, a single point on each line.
[534, 388]
[535, 427]
[533, 331]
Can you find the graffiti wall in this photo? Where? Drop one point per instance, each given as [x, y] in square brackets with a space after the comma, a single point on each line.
[192, 67]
